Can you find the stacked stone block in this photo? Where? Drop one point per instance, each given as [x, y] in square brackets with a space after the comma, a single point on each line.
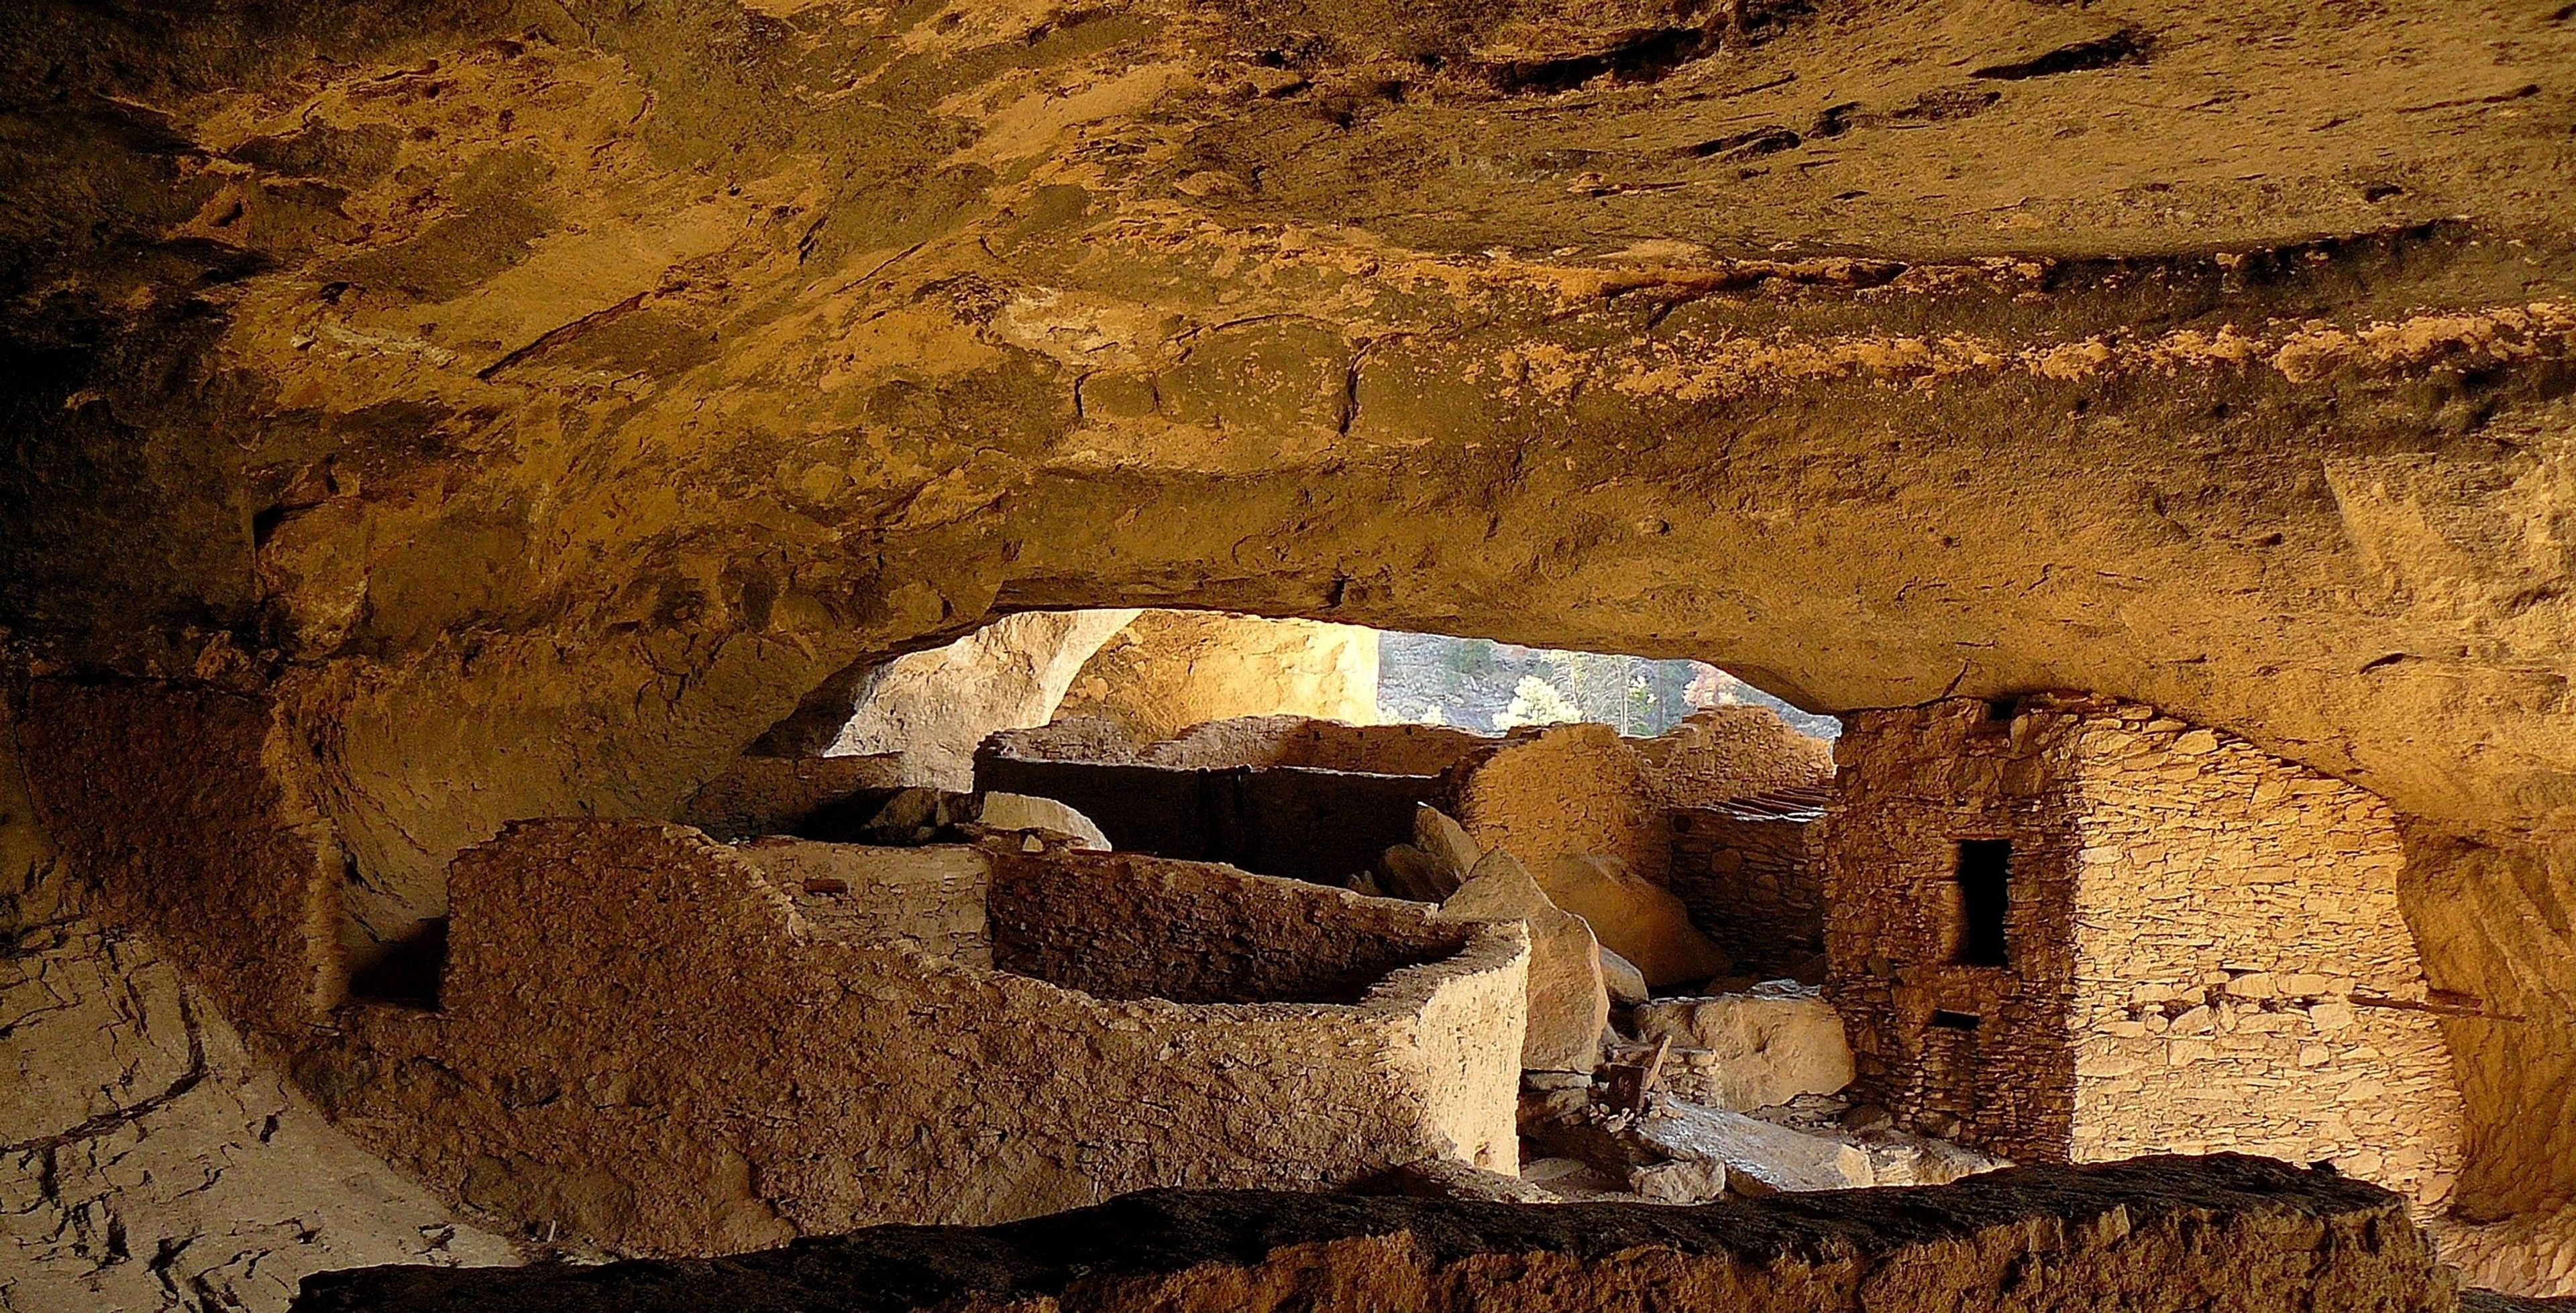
[1755, 884]
[2205, 946]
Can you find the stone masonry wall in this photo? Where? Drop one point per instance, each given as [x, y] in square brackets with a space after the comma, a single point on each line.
[2244, 979]
[1117, 925]
[1908, 786]
[1722, 753]
[1305, 741]
[931, 900]
[1560, 791]
[645, 1042]
[1275, 740]
[1756, 885]
[1323, 825]
[2205, 946]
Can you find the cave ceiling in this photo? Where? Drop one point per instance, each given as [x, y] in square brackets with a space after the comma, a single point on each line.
[550, 395]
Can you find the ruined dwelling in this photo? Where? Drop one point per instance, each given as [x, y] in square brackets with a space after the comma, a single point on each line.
[2070, 928]
[664, 1044]
[2058, 929]
[745, 633]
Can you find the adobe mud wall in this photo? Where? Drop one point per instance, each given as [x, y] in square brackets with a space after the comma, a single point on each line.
[1754, 884]
[2204, 947]
[2226, 1234]
[1120, 926]
[1293, 821]
[1563, 790]
[644, 1041]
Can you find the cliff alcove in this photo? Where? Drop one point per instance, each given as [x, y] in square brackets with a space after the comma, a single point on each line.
[423, 420]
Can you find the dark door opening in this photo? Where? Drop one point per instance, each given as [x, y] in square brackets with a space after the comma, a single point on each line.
[1985, 900]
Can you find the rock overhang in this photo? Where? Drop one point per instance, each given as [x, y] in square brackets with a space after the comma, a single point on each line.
[452, 377]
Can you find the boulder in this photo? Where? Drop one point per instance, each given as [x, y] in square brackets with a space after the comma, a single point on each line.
[1626, 984]
[1679, 1181]
[1767, 1046]
[1899, 1159]
[1446, 843]
[1637, 919]
[1760, 1158]
[1021, 811]
[1568, 1005]
[1405, 871]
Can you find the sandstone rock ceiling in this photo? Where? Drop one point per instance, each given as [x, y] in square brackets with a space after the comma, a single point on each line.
[541, 397]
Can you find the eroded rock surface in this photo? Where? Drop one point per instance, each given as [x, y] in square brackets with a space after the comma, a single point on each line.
[1639, 921]
[1766, 1046]
[1169, 670]
[931, 709]
[542, 401]
[149, 1162]
[1568, 1003]
[2160, 1234]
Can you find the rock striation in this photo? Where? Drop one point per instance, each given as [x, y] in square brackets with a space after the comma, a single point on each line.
[537, 404]
[149, 1160]
[2223, 1233]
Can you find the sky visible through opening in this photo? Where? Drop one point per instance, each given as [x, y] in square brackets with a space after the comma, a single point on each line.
[1479, 684]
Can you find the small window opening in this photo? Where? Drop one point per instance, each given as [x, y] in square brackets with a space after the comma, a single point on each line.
[404, 973]
[1985, 901]
[2000, 711]
[1948, 1020]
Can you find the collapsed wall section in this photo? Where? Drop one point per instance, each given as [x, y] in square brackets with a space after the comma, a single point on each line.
[183, 815]
[1581, 789]
[646, 1041]
[1564, 791]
